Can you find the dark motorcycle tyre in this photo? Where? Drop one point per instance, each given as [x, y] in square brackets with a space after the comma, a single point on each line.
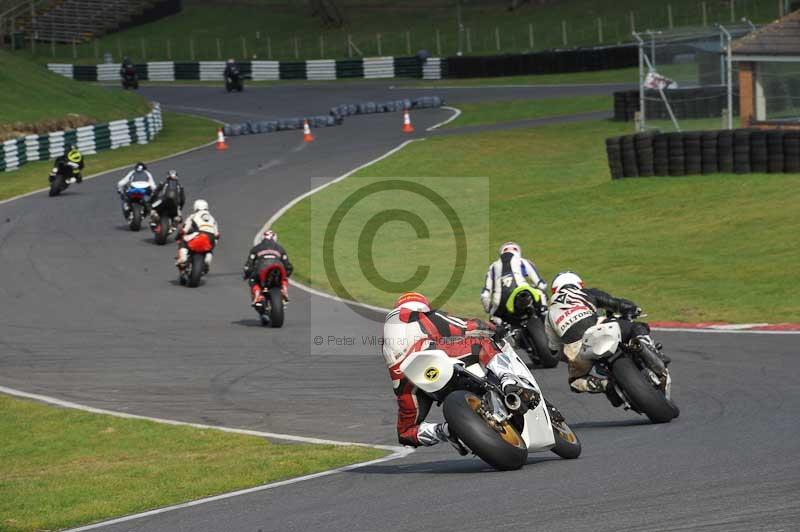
[198, 263]
[536, 334]
[503, 452]
[567, 446]
[163, 231]
[642, 395]
[135, 222]
[275, 307]
[57, 185]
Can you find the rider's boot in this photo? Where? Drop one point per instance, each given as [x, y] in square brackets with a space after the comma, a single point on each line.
[285, 290]
[588, 384]
[433, 433]
[258, 297]
[208, 258]
[181, 258]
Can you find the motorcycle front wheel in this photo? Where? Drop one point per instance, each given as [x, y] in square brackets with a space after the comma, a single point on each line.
[502, 447]
[56, 186]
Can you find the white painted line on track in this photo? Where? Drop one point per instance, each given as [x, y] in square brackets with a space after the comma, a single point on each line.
[720, 331]
[303, 196]
[457, 113]
[396, 452]
[512, 86]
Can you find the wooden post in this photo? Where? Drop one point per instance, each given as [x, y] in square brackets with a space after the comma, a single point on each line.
[746, 96]
[438, 43]
[633, 22]
[469, 41]
[219, 49]
[169, 50]
[669, 16]
[705, 14]
[321, 46]
[564, 32]
[733, 10]
[53, 45]
[144, 49]
[119, 49]
[408, 42]
[296, 48]
[530, 36]
[244, 47]
[349, 46]
[269, 47]
[599, 29]
[496, 38]
[378, 42]
[191, 49]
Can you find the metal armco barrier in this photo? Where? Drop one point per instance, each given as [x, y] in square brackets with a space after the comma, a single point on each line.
[739, 151]
[89, 139]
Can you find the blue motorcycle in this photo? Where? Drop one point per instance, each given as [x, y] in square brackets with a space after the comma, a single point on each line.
[135, 206]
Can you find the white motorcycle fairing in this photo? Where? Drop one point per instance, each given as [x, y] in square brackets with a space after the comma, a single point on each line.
[431, 370]
[600, 341]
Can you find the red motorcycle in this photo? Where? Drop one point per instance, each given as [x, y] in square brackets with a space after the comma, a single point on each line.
[196, 266]
[271, 279]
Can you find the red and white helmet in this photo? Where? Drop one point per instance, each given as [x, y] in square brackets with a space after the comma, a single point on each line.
[510, 247]
[565, 279]
[413, 301]
[269, 234]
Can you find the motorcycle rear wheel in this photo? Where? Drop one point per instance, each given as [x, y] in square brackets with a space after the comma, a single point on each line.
[198, 263]
[275, 307]
[162, 230]
[503, 448]
[135, 222]
[643, 396]
[538, 338]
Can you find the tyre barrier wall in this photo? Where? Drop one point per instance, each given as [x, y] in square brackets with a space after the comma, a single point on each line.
[318, 69]
[547, 62]
[739, 151]
[334, 117]
[697, 102]
[89, 139]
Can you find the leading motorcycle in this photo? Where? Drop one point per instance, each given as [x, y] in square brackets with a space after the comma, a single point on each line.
[638, 378]
[499, 428]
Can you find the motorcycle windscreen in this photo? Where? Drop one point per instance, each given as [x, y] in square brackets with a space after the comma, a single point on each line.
[430, 371]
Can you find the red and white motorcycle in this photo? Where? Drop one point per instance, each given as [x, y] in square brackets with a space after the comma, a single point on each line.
[499, 428]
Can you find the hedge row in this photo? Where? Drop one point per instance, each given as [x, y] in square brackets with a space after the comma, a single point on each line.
[739, 151]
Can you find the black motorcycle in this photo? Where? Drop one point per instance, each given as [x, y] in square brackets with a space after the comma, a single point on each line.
[130, 79]
[638, 378]
[234, 79]
[164, 219]
[60, 178]
[523, 321]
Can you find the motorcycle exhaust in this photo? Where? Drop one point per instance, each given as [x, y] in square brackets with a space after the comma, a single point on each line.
[512, 401]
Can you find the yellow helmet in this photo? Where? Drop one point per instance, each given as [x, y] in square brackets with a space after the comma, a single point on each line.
[74, 155]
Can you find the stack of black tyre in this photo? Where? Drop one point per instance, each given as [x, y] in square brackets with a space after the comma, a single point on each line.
[739, 151]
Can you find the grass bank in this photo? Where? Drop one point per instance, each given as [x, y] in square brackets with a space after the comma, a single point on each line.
[61, 468]
[473, 114]
[34, 100]
[180, 132]
[697, 248]
[283, 30]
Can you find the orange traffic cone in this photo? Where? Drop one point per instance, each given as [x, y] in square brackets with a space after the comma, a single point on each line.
[221, 140]
[407, 127]
[307, 136]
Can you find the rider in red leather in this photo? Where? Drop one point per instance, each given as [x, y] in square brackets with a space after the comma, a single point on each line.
[413, 326]
[263, 257]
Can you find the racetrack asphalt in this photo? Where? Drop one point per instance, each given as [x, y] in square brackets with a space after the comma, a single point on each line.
[92, 314]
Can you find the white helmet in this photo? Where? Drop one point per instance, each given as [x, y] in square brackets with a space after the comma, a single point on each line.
[269, 234]
[510, 247]
[413, 301]
[565, 279]
[200, 205]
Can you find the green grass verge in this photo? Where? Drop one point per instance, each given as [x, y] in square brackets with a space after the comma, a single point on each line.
[61, 468]
[30, 93]
[713, 247]
[473, 114]
[287, 32]
[180, 132]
